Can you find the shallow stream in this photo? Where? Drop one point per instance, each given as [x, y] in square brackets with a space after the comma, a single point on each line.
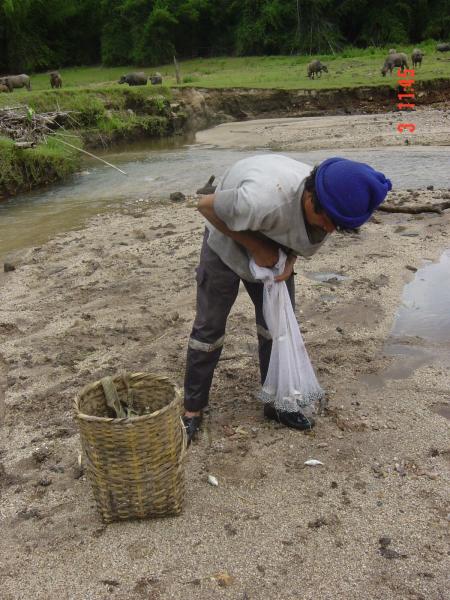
[159, 168]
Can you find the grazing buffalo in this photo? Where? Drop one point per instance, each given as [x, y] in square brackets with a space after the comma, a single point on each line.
[416, 57]
[16, 81]
[394, 60]
[55, 80]
[156, 79]
[392, 51]
[3, 88]
[134, 79]
[315, 68]
[443, 47]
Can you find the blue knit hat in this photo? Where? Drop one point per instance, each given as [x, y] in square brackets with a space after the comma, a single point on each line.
[349, 191]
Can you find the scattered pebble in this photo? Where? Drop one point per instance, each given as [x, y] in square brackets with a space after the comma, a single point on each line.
[213, 480]
[178, 197]
[312, 462]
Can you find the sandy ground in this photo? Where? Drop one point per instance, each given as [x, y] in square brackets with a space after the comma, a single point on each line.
[119, 295]
[361, 131]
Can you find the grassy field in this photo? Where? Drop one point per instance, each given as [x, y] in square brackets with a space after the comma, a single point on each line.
[104, 111]
[352, 67]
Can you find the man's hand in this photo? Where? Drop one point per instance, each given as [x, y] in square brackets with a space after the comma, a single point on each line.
[265, 253]
[288, 268]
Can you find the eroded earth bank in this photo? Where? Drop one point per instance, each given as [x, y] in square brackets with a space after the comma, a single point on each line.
[119, 295]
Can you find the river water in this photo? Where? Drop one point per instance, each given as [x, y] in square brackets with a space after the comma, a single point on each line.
[159, 168]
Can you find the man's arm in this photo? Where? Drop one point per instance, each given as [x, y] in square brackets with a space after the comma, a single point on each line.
[263, 251]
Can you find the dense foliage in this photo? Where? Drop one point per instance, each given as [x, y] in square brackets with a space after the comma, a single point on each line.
[43, 34]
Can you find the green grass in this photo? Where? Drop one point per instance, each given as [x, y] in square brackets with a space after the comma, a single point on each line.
[351, 68]
[24, 169]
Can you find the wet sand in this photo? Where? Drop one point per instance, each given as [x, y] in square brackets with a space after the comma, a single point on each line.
[119, 295]
[356, 131]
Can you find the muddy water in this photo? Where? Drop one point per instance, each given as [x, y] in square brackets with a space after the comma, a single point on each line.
[155, 170]
[421, 331]
[425, 308]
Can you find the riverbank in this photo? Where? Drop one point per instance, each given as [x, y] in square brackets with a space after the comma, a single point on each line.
[97, 118]
[119, 295]
[105, 115]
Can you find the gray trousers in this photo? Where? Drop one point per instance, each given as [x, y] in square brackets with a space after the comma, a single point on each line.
[217, 290]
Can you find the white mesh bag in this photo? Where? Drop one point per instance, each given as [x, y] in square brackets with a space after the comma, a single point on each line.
[291, 384]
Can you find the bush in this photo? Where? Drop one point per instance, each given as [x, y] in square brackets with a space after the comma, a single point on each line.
[23, 169]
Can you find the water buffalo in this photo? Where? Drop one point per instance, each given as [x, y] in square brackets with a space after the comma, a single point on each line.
[55, 80]
[3, 88]
[315, 68]
[16, 81]
[443, 47]
[156, 78]
[394, 60]
[134, 79]
[392, 51]
[416, 57]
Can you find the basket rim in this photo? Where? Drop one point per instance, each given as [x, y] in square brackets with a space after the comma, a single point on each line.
[85, 417]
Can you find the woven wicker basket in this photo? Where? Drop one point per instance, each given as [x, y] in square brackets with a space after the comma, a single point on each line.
[135, 464]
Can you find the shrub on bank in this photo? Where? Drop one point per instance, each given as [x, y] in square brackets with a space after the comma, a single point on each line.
[130, 127]
[97, 115]
[24, 169]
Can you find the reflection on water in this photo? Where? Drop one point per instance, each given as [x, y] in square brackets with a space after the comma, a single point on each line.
[421, 331]
[158, 168]
[425, 308]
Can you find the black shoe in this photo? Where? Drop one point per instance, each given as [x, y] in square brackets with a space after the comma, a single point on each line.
[192, 426]
[296, 420]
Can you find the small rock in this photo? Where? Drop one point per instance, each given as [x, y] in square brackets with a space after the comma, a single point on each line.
[389, 553]
[7, 267]
[385, 541]
[231, 531]
[41, 454]
[339, 330]
[320, 522]
[224, 579]
[110, 582]
[334, 485]
[430, 187]
[29, 513]
[411, 268]
[312, 462]
[177, 197]
[44, 481]
[213, 480]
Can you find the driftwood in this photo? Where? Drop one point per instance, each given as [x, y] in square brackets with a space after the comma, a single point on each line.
[23, 145]
[22, 124]
[415, 210]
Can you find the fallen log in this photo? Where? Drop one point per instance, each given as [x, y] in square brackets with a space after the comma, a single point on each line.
[23, 145]
[415, 210]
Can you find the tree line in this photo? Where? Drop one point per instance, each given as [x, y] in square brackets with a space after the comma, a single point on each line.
[50, 34]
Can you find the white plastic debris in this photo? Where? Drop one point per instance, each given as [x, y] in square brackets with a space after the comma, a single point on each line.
[213, 480]
[312, 462]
